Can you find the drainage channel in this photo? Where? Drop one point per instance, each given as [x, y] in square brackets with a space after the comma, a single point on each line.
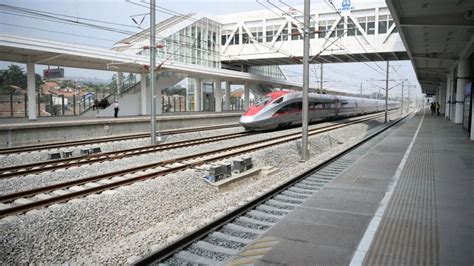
[223, 240]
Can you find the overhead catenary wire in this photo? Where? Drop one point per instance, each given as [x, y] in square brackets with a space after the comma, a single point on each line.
[101, 27]
[35, 14]
[67, 16]
[172, 12]
[341, 46]
[301, 23]
[59, 32]
[136, 49]
[69, 23]
[331, 4]
[325, 48]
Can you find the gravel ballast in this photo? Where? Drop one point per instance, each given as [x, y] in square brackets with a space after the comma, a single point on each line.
[112, 227]
[43, 155]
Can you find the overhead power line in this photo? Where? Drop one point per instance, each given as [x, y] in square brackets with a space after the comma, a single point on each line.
[67, 16]
[331, 4]
[59, 32]
[36, 14]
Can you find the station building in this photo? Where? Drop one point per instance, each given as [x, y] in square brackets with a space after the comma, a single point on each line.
[258, 42]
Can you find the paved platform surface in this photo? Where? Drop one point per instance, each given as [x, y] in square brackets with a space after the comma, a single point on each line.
[20, 132]
[429, 218]
[6, 123]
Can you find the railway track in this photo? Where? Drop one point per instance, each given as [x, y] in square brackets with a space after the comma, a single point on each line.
[221, 241]
[23, 201]
[64, 144]
[52, 165]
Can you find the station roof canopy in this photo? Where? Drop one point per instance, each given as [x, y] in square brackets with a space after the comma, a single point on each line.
[436, 34]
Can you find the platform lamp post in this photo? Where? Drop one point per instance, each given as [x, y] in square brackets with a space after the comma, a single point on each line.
[401, 109]
[152, 72]
[304, 137]
[386, 93]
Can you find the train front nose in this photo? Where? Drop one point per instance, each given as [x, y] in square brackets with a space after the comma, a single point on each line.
[257, 123]
[248, 121]
[249, 118]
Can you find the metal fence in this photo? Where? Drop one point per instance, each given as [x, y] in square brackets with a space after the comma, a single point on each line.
[208, 104]
[13, 105]
[16, 104]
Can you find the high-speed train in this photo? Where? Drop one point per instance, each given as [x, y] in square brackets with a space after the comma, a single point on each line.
[283, 108]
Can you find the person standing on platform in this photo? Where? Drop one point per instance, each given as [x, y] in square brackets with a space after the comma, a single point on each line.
[432, 107]
[437, 108]
[95, 105]
[116, 108]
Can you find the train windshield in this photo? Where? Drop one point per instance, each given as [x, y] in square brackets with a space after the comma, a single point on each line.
[262, 101]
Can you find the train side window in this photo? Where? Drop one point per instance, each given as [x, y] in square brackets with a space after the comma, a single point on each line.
[298, 106]
[315, 105]
[279, 100]
[263, 101]
[290, 108]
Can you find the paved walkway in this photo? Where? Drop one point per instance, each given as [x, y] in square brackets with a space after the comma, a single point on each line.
[430, 218]
[77, 120]
[404, 201]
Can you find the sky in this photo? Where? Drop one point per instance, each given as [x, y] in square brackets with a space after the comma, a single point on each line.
[344, 76]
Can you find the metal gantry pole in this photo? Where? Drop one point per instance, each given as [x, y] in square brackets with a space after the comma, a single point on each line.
[401, 109]
[304, 137]
[152, 72]
[386, 93]
[321, 82]
[408, 104]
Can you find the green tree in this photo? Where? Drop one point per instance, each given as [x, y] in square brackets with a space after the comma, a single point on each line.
[113, 83]
[67, 84]
[15, 76]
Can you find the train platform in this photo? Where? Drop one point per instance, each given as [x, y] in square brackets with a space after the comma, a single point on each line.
[407, 200]
[21, 131]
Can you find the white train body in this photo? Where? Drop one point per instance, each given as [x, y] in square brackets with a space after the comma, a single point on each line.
[283, 108]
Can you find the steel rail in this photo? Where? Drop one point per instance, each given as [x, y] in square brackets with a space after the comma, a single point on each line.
[169, 250]
[172, 165]
[63, 144]
[43, 166]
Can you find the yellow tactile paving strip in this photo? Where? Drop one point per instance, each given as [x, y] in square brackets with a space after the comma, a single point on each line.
[408, 231]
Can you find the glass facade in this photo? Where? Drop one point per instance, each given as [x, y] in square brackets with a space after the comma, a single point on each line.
[267, 71]
[367, 23]
[196, 44]
[385, 23]
[202, 42]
